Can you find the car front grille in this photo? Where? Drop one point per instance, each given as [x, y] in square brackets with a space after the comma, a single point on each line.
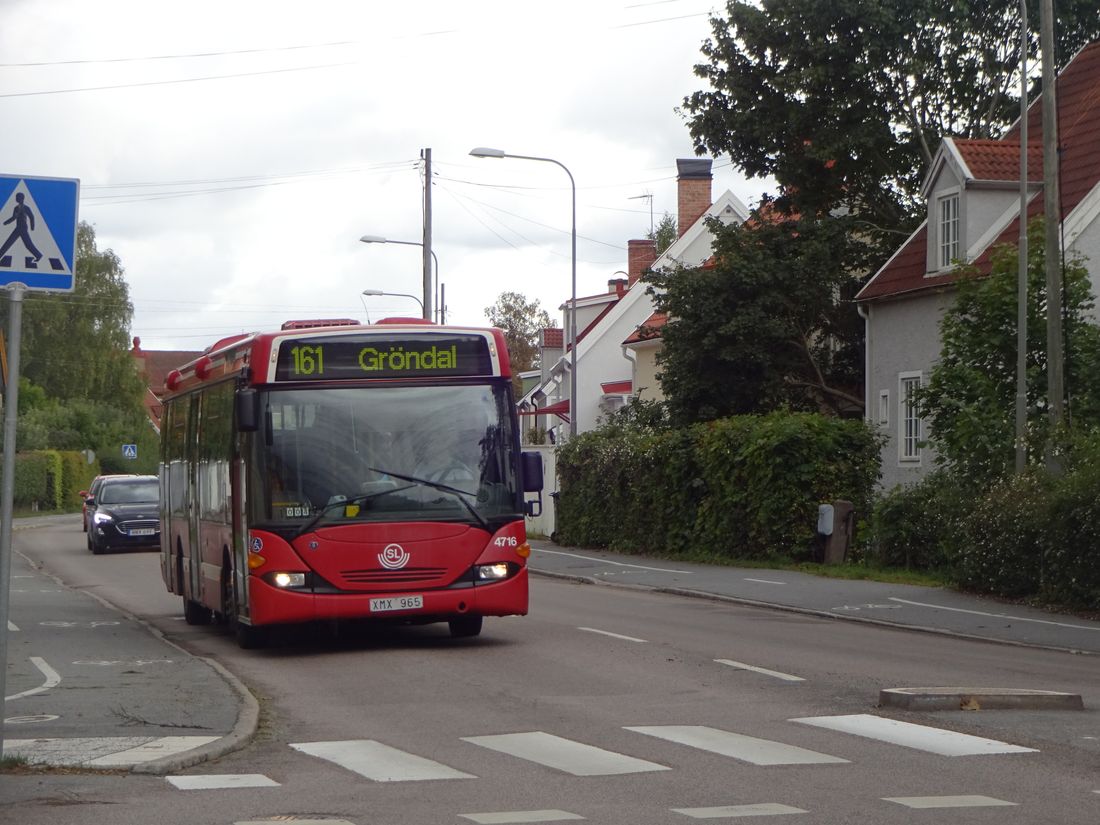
[407, 575]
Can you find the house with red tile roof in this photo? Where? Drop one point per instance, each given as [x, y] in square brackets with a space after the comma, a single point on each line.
[154, 366]
[611, 367]
[973, 195]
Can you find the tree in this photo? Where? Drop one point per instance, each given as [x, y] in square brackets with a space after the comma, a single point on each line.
[762, 327]
[844, 102]
[76, 345]
[969, 401]
[665, 234]
[520, 320]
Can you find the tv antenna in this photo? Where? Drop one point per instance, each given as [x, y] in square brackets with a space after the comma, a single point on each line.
[649, 197]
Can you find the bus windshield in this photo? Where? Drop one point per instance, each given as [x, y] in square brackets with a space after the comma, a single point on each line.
[327, 456]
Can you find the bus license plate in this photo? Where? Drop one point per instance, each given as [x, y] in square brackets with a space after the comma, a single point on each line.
[143, 531]
[396, 603]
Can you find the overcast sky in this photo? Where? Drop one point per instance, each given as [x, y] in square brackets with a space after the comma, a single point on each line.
[232, 152]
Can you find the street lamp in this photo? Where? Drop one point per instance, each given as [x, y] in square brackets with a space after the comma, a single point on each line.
[426, 304]
[397, 294]
[483, 152]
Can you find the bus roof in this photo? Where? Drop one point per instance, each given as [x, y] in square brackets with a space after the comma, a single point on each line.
[396, 349]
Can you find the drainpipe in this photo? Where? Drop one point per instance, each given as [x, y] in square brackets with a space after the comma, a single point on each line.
[865, 313]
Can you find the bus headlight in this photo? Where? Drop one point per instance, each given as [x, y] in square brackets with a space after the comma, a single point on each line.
[288, 579]
[492, 572]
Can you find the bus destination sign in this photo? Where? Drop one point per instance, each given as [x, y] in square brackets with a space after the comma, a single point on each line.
[377, 356]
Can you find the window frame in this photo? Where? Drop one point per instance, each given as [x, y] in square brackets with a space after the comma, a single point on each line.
[948, 230]
[910, 424]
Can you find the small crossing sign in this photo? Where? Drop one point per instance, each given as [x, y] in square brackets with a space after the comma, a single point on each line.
[129, 451]
[38, 232]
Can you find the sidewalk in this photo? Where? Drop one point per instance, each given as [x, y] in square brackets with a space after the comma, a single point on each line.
[930, 609]
[90, 686]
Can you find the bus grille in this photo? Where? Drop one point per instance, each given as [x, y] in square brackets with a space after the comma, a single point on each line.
[407, 575]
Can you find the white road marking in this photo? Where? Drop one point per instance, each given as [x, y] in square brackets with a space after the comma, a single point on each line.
[612, 635]
[53, 679]
[616, 563]
[786, 677]
[508, 817]
[737, 746]
[297, 820]
[948, 801]
[379, 762]
[909, 735]
[759, 581]
[209, 782]
[997, 615]
[735, 811]
[575, 758]
[11, 625]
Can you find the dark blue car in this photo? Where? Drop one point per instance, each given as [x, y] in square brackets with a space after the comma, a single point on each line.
[124, 514]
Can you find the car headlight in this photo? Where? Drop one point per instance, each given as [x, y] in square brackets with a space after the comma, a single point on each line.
[492, 572]
[102, 518]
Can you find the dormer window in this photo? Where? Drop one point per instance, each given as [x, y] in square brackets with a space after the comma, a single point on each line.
[948, 230]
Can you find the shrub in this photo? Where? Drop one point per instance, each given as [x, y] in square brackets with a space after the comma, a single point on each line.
[999, 545]
[911, 526]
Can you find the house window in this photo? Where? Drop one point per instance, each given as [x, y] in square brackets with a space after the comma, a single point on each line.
[884, 408]
[949, 231]
[909, 423]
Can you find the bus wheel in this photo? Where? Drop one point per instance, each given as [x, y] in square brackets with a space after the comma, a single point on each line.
[195, 613]
[465, 626]
[248, 637]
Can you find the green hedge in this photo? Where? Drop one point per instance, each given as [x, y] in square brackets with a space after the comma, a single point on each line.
[1029, 536]
[51, 480]
[746, 487]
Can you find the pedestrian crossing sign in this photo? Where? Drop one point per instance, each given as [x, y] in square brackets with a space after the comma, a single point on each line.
[38, 221]
[129, 451]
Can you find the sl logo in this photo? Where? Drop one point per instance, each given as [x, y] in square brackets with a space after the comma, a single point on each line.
[394, 557]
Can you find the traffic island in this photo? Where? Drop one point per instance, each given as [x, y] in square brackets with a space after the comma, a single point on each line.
[970, 698]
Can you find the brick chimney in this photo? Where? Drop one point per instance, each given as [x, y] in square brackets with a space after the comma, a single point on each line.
[693, 196]
[617, 287]
[640, 256]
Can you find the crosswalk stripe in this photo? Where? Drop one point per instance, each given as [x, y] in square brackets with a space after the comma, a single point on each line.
[379, 762]
[208, 782]
[159, 748]
[735, 811]
[565, 755]
[910, 735]
[738, 746]
[948, 801]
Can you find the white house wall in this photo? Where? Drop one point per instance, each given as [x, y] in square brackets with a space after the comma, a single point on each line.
[904, 338]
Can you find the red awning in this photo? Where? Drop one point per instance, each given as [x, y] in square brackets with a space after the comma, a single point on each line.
[560, 409]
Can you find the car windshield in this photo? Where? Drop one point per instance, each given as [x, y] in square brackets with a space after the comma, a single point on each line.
[385, 454]
[136, 491]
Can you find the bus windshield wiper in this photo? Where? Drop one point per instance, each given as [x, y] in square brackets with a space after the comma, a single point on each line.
[344, 502]
[446, 488]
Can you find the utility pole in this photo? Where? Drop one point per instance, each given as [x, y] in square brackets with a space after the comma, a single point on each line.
[427, 155]
[1052, 211]
[1021, 287]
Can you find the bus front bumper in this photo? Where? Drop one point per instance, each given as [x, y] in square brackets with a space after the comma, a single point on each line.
[273, 605]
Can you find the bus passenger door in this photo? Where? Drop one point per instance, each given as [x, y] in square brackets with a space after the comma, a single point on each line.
[193, 562]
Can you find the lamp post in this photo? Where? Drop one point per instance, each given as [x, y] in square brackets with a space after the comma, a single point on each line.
[426, 304]
[398, 294]
[483, 152]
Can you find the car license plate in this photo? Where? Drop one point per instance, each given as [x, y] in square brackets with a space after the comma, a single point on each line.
[396, 603]
[143, 531]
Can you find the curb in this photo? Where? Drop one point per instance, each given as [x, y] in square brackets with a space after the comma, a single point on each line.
[968, 698]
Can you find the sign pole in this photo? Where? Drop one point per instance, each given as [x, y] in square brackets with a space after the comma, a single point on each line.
[7, 484]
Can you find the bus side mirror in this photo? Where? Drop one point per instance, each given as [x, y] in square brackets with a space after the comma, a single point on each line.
[248, 410]
[532, 472]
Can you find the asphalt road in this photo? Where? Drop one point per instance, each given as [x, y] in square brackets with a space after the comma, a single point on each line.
[607, 704]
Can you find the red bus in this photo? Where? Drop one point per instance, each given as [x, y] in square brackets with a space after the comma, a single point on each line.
[346, 472]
